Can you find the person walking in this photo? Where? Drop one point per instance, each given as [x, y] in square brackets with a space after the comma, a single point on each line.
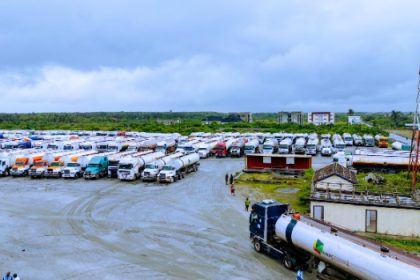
[231, 179]
[7, 276]
[232, 189]
[226, 178]
[299, 274]
[247, 203]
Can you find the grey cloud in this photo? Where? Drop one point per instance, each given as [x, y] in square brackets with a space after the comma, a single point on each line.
[215, 55]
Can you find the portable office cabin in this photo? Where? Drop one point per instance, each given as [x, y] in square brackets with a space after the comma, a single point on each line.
[277, 161]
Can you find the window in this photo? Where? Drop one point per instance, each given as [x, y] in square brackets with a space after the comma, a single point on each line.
[267, 160]
[318, 212]
[290, 160]
[371, 220]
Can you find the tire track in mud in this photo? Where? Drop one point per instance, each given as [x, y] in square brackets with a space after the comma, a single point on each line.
[85, 207]
[171, 236]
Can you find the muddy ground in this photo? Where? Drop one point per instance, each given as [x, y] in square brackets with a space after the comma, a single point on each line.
[106, 229]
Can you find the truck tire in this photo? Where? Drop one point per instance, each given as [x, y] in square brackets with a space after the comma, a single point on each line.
[287, 261]
[258, 247]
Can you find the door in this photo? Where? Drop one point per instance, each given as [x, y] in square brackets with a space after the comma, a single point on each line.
[371, 221]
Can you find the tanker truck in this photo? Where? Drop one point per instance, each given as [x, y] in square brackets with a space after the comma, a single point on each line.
[177, 168]
[335, 253]
[130, 167]
[252, 146]
[151, 170]
[166, 146]
[7, 160]
[237, 149]
[114, 160]
[300, 145]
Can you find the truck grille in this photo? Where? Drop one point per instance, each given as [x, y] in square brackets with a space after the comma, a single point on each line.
[67, 172]
[162, 176]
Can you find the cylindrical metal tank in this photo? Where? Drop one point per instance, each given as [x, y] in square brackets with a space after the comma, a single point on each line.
[353, 258]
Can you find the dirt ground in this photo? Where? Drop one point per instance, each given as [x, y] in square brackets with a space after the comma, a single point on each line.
[107, 229]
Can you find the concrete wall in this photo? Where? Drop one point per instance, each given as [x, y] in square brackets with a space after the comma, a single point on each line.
[334, 183]
[394, 221]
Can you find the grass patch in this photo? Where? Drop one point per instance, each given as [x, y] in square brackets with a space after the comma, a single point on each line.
[408, 244]
[294, 191]
[394, 183]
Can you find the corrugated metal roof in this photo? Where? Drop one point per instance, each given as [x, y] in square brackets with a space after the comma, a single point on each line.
[335, 169]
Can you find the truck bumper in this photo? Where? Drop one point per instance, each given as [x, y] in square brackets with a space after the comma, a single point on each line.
[91, 176]
[149, 178]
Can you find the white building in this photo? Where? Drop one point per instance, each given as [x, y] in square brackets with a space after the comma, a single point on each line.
[318, 118]
[334, 177]
[368, 213]
[291, 117]
[334, 200]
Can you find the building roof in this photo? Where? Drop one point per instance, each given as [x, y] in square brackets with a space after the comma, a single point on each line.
[279, 155]
[335, 169]
[359, 198]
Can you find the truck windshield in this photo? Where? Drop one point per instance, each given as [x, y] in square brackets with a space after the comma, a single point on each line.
[68, 147]
[167, 167]
[284, 146]
[125, 166]
[39, 163]
[188, 149]
[150, 166]
[56, 163]
[113, 163]
[20, 163]
[73, 164]
[249, 147]
[267, 147]
[93, 165]
[52, 147]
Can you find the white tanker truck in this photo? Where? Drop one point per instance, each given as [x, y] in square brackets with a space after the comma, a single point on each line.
[130, 167]
[177, 168]
[152, 169]
[334, 253]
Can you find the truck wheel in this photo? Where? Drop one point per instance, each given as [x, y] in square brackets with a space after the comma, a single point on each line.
[287, 261]
[7, 173]
[258, 246]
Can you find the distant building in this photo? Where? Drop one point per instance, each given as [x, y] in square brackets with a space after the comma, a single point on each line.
[291, 117]
[243, 116]
[354, 120]
[335, 200]
[334, 177]
[318, 118]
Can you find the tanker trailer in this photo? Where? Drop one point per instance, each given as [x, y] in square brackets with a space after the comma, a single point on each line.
[177, 168]
[335, 253]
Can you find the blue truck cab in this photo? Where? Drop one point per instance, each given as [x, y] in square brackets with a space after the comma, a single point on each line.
[97, 168]
[263, 218]
[262, 229]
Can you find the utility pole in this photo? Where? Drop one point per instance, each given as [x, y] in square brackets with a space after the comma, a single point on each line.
[415, 142]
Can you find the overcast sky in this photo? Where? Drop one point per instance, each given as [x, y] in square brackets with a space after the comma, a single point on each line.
[192, 55]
